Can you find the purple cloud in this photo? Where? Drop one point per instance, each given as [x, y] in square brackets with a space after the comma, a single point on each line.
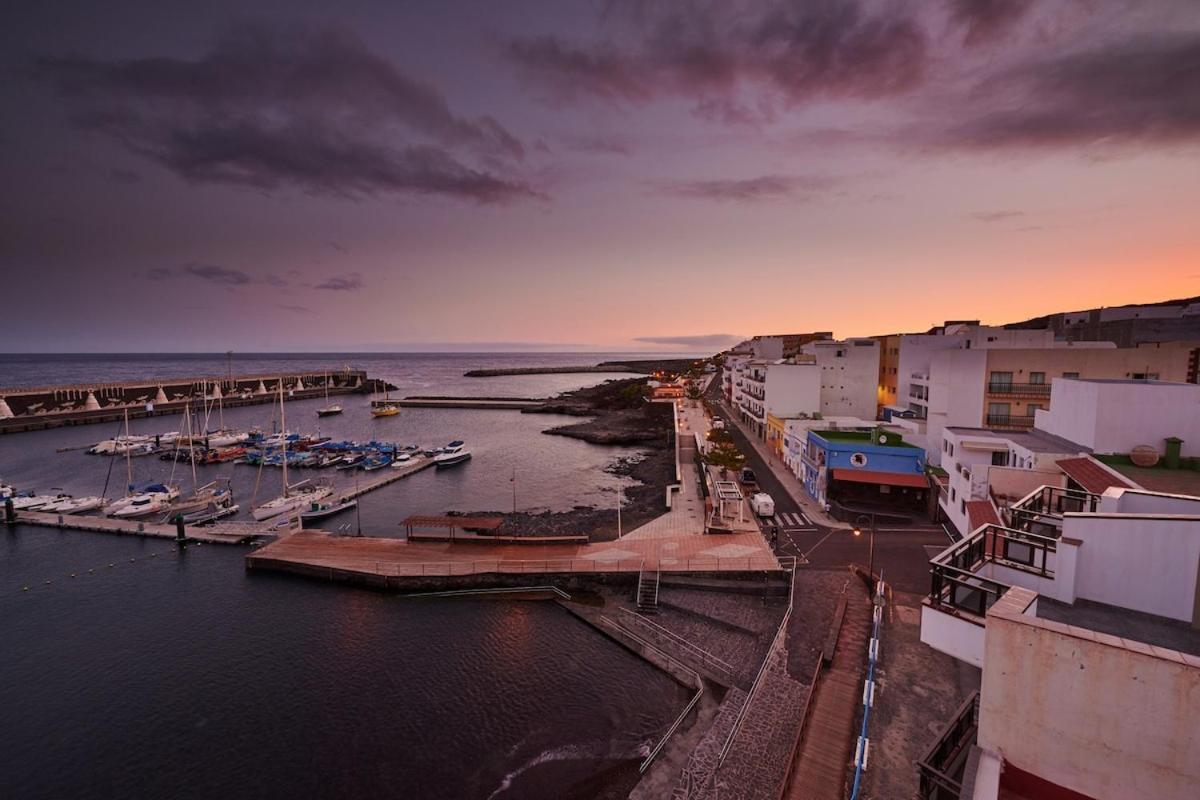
[350, 282]
[310, 107]
[764, 187]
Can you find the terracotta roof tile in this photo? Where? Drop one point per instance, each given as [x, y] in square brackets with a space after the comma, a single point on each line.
[1091, 475]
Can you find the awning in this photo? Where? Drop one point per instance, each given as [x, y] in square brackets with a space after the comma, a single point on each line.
[1092, 475]
[986, 445]
[882, 478]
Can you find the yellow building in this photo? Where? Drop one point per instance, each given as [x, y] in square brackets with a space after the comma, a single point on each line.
[775, 433]
[889, 363]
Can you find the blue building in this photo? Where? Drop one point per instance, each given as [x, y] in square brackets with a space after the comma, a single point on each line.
[865, 471]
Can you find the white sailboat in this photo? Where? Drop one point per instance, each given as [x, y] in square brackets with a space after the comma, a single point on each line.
[293, 497]
[138, 502]
[328, 410]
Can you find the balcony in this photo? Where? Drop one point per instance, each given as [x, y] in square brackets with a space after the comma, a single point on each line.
[965, 576]
[1019, 389]
[1041, 511]
[1009, 421]
[940, 770]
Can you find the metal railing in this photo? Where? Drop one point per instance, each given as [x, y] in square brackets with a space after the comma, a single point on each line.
[779, 634]
[940, 769]
[1009, 421]
[955, 579]
[708, 659]
[1019, 389]
[1041, 511]
[448, 568]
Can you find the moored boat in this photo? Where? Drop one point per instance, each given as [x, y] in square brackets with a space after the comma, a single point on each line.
[454, 453]
[319, 510]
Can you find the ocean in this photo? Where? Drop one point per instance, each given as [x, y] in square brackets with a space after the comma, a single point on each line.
[134, 669]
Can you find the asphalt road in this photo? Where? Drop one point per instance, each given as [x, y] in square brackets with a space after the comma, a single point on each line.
[901, 554]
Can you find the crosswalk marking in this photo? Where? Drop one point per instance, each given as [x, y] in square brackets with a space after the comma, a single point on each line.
[789, 519]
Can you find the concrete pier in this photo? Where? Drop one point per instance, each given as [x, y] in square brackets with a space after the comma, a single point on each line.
[226, 533]
[517, 403]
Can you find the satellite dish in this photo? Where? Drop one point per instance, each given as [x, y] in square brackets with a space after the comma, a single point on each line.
[1144, 455]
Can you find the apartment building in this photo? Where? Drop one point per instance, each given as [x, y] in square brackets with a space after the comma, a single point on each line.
[780, 389]
[849, 376]
[1090, 423]
[1004, 388]
[1086, 634]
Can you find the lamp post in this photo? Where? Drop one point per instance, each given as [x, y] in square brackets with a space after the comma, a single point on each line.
[869, 519]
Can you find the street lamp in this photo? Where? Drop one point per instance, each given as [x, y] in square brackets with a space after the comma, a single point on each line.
[869, 519]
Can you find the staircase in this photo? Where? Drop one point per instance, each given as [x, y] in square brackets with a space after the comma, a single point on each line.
[647, 590]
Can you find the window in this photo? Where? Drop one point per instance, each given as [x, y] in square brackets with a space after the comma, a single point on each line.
[963, 506]
[953, 494]
[1037, 377]
[1000, 459]
[1032, 408]
[1070, 374]
[999, 381]
[1145, 376]
[999, 413]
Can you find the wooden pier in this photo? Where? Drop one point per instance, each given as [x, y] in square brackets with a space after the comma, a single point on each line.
[225, 533]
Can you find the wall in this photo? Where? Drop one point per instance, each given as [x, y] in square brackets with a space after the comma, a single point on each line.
[849, 382]
[1117, 417]
[1080, 710]
[954, 636]
[793, 390]
[956, 379]
[1138, 562]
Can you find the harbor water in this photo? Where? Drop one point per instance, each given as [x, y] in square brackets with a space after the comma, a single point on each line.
[134, 669]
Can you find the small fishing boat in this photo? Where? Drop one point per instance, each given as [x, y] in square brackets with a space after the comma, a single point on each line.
[214, 511]
[350, 461]
[454, 453]
[401, 458]
[53, 505]
[320, 510]
[376, 461]
[385, 410]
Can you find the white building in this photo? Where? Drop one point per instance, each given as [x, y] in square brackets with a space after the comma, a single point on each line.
[1116, 416]
[1087, 641]
[783, 388]
[849, 376]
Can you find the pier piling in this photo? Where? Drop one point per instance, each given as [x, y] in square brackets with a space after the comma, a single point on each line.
[10, 512]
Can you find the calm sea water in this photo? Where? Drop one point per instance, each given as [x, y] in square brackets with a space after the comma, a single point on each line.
[155, 673]
[552, 472]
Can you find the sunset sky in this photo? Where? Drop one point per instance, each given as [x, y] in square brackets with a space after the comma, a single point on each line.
[607, 175]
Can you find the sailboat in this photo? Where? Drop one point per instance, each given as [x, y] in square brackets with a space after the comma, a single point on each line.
[140, 501]
[328, 410]
[293, 497]
[386, 408]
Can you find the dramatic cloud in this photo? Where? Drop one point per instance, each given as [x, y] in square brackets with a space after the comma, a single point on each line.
[996, 216]
[342, 283]
[602, 145]
[215, 274]
[296, 106]
[766, 187]
[1145, 90]
[713, 52]
[710, 341]
[987, 20]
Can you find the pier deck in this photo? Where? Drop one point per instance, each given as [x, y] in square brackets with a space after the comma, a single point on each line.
[517, 403]
[391, 475]
[226, 533]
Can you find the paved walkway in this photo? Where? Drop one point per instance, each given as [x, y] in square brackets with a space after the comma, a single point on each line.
[687, 506]
[785, 476]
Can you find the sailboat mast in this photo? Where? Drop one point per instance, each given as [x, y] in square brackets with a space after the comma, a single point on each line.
[191, 447]
[128, 457]
[283, 433]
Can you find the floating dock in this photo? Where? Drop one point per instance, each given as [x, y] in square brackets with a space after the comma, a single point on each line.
[393, 474]
[224, 533]
[37, 408]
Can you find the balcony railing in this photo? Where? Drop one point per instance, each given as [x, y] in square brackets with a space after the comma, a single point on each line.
[941, 768]
[1041, 511]
[1009, 421]
[956, 584]
[1019, 389]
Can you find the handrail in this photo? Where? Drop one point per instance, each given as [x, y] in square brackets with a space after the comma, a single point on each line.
[506, 566]
[687, 645]
[741, 715]
[946, 749]
[958, 566]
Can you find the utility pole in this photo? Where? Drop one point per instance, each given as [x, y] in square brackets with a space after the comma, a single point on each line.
[618, 511]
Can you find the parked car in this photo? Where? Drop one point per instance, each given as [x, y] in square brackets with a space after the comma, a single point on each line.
[718, 424]
[748, 477]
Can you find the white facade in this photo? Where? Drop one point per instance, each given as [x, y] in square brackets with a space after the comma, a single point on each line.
[793, 390]
[849, 376]
[979, 459]
[767, 348]
[1117, 416]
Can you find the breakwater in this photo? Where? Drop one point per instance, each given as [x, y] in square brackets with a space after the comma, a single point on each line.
[37, 408]
[637, 366]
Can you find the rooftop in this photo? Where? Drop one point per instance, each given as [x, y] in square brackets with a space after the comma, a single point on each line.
[863, 437]
[1158, 478]
[1091, 475]
[1128, 381]
[1035, 441]
[1121, 622]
